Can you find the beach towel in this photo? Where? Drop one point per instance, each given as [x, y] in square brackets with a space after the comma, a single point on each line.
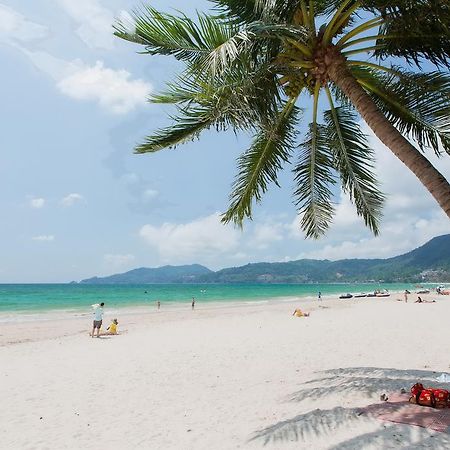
[398, 409]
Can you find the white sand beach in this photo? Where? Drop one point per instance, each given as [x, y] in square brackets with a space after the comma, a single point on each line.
[248, 376]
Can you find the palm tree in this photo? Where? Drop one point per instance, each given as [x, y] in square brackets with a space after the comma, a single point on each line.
[255, 65]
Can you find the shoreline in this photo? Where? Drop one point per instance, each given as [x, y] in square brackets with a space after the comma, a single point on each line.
[62, 323]
[63, 313]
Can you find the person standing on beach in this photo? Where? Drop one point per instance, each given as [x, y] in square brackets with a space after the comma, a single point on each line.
[158, 304]
[98, 318]
[319, 296]
[193, 303]
[406, 296]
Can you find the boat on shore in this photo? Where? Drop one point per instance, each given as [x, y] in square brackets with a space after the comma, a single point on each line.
[383, 294]
[361, 295]
[379, 293]
[345, 296]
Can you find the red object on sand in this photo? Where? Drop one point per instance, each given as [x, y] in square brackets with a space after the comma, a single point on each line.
[441, 398]
[436, 398]
[398, 410]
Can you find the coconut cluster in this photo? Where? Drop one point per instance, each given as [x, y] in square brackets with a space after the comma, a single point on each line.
[296, 78]
[292, 58]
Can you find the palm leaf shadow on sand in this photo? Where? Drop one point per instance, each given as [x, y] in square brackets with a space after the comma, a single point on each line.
[369, 381]
[363, 380]
[316, 422]
[395, 436]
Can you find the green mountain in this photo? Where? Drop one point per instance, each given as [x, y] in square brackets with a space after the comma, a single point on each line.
[165, 274]
[430, 262]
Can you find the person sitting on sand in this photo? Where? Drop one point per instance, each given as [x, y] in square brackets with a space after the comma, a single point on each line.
[299, 313]
[112, 329]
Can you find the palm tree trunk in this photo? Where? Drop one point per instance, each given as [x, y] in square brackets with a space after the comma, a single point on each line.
[431, 178]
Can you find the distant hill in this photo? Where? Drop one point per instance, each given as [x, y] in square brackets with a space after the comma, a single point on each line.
[430, 262]
[165, 274]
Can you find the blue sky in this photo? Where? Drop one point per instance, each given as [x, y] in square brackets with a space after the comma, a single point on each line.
[76, 201]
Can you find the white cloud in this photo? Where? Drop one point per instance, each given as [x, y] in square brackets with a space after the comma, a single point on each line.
[265, 234]
[44, 238]
[16, 27]
[202, 240]
[114, 90]
[94, 22]
[37, 203]
[71, 199]
[116, 261]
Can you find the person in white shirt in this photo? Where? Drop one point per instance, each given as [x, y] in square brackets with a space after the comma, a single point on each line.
[98, 317]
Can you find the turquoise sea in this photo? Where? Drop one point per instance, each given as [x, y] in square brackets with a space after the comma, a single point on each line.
[40, 298]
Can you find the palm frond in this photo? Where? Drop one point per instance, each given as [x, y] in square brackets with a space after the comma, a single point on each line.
[259, 166]
[178, 36]
[186, 127]
[421, 27]
[238, 10]
[248, 99]
[184, 89]
[256, 37]
[354, 160]
[313, 179]
[340, 19]
[241, 99]
[221, 57]
[417, 104]
[275, 11]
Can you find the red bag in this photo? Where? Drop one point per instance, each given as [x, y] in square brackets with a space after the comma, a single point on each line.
[417, 389]
[436, 398]
[441, 398]
[426, 398]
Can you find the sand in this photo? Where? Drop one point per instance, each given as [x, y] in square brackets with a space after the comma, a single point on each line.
[244, 376]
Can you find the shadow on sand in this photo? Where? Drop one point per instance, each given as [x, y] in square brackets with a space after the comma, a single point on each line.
[368, 381]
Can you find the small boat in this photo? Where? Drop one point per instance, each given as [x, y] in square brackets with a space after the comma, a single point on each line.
[343, 296]
[423, 291]
[363, 294]
[382, 294]
[372, 294]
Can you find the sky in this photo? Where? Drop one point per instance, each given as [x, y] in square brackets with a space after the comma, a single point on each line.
[76, 202]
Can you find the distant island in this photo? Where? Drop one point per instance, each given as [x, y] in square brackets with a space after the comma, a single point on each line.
[428, 263]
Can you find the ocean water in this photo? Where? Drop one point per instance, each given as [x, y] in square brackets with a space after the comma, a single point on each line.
[17, 299]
